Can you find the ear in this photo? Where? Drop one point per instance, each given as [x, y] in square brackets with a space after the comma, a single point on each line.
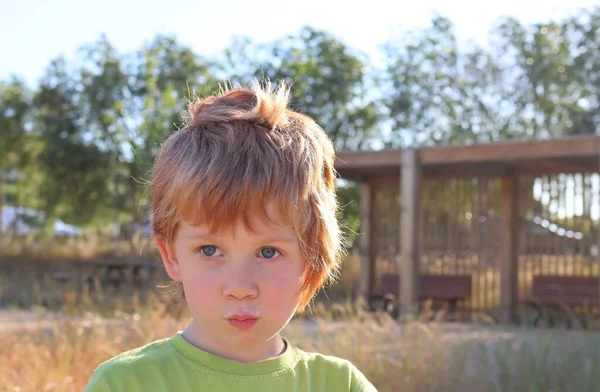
[169, 258]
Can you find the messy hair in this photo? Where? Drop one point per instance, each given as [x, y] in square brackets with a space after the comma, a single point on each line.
[239, 150]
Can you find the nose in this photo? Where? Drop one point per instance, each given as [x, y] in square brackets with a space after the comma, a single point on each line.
[239, 283]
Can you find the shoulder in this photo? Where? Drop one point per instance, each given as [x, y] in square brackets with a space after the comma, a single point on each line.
[339, 370]
[118, 373]
[147, 355]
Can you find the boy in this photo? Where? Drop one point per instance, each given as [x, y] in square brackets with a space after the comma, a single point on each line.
[244, 217]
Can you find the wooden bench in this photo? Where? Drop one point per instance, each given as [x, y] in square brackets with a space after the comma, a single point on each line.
[62, 277]
[450, 288]
[563, 291]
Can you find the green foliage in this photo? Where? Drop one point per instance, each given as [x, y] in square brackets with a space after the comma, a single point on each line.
[329, 82]
[80, 144]
[14, 108]
[535, 81]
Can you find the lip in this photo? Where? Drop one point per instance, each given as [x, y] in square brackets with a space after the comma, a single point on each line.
[242, 319]
[242, 323]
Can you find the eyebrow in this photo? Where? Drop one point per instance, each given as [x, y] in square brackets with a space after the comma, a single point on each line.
[264, 238]
[277, 239]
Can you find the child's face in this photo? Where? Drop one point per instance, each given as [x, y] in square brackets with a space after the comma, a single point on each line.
[241, 286]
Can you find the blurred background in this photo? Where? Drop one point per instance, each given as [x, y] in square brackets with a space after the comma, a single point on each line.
[88, 92]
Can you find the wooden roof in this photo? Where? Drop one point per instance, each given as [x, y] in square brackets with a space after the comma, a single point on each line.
[579, 154]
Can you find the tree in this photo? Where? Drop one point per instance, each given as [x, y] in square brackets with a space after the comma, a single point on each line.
[75, 167]
[440, 93]
[535, 81]
[544, 84]
[167, 76]
[14, 111]
[133, 103]
[105, 90]
[329, 82]
[86, 135]
[585, 28]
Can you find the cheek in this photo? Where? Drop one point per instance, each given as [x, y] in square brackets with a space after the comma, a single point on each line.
[198, 282]
[202, 295]
[281, 283]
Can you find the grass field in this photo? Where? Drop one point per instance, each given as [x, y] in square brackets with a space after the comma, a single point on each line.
[56, 352]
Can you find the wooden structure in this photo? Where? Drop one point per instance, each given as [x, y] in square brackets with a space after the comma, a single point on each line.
[450, 288]
[499, 213]
[114, 273]
[554, 292]
[49, 282]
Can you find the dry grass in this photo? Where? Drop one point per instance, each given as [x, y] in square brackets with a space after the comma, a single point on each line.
[58, 351]
[90, 246]
[60, 355]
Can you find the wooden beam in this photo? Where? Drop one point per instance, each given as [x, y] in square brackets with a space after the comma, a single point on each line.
[409, 237]
[509, 262]
[598, 231]
[366, 159]
[2, 199]
[368, 237]
[439, 160]
[512, 151]
[559, 166]
[484, 170]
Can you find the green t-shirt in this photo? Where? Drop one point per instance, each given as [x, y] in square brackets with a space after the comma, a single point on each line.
[174, 364]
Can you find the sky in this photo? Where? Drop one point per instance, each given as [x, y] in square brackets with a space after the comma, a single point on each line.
[33, 32]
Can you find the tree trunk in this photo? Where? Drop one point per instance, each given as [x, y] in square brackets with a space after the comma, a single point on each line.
[1, 200]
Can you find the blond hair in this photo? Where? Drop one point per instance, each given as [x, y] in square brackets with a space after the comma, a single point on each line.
[239, 150]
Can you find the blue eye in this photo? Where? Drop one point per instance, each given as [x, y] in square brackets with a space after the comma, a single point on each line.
[268, 253]
[208, 250]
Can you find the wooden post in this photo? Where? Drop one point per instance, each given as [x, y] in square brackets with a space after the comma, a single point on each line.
[368, 248]
[409, 237]
[79, 283]
[2, 200]
[598, 231]
[509, 263]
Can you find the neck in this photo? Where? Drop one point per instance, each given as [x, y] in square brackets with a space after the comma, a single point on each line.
[243, 352]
